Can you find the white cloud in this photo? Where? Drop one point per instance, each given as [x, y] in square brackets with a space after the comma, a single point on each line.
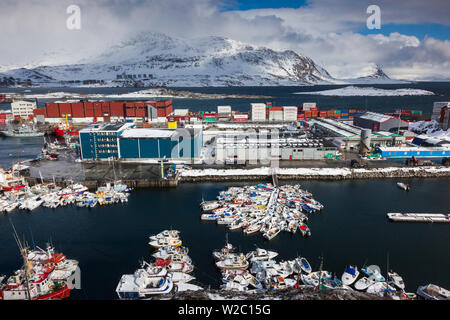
[324, 30]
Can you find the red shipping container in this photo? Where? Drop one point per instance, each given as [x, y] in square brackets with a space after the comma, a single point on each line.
[30, 117]
[89, 109]
[168, 102]
[209, 115]
[52, 110]
[240, 119]
[106, 109]
[141, 112]
[77, 110]
[117, 109]
[275, 108]
[65, 109]
[98, 109]
[2, 121]
[140, 104]
[130, 112]
[300, 116]
[16, 117]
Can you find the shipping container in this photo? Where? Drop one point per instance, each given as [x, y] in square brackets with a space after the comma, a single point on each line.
[210, 116]
[52, 110]
[77, 110]
[65, 109]
[130, 112]
[89, 109]
[117, 109]
[172, 125]
[141, 112]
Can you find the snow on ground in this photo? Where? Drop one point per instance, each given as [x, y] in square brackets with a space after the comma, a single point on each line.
[369, 91]
[430, 129]
[266, 171]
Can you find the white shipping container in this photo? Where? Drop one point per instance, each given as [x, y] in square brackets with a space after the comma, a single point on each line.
[223, 109]
[241, 116]
[275, 115]
[309, 105]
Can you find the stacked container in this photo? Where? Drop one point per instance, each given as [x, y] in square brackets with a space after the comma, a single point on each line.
[307, 106]
[258, 111]
[275, 113]
[290, 113]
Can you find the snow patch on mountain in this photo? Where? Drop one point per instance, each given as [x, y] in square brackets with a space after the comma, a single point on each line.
[369, 91]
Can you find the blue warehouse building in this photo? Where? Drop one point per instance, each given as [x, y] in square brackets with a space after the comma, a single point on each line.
[418, 152]
[125, 142]
[183, 144]
[100, 140]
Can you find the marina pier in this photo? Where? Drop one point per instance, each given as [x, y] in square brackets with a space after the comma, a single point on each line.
[419, 217]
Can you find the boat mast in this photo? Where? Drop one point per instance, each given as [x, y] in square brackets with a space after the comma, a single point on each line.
[320, 272]
[26, 264]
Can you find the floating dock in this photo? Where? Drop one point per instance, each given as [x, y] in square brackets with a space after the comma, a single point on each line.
[419, 217]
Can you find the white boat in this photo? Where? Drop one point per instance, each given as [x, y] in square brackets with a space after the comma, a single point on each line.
[433, 292]
[304, 265]
[272, 233]
[165, 242]
[396, 280]
[313, 278]
[183, 286]
[143, 285]
[178, 277]
[350, 275]
[174, 234]
[169, 251]
[379, 288]
[403, 186]
[373, 271]
[260, 254]
[233, 262]
[364, 282]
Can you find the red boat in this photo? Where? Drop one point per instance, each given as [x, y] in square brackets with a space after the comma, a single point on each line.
[61, 130]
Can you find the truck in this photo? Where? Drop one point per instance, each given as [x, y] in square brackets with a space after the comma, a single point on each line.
[414, 162]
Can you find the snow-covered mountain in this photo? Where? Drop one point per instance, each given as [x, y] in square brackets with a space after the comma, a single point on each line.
[155, 59]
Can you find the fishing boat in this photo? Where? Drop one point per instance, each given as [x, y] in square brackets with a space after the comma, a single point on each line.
[305, 265]
[22, 132]
[350, 275]
[396, 279]
[433, 292]
[165, 242]
[403, 186]
[233, 262]
[373, 271]
[184, 286]
[260, 254]
[143, 284]
[272, 233]
[174, 234]
[363, 283]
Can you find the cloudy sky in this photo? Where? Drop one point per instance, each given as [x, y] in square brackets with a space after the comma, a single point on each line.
[412, 43]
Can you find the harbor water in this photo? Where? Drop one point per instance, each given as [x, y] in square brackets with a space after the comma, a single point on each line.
[352, 229]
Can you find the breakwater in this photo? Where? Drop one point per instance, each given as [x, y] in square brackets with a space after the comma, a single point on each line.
[265, 174]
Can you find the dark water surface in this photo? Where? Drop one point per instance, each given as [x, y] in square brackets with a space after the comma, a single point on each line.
[352, 229]
[284, 96]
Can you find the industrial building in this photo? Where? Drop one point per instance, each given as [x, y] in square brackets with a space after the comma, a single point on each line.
[179, 144]
[380, 122]
[23, 108]
[101, 140]
[349, 137]
[125, 142]
[253, 147]
[441, 114]
[418, 152]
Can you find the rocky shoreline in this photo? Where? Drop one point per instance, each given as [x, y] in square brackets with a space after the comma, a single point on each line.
[313, 174]
[301, 293]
